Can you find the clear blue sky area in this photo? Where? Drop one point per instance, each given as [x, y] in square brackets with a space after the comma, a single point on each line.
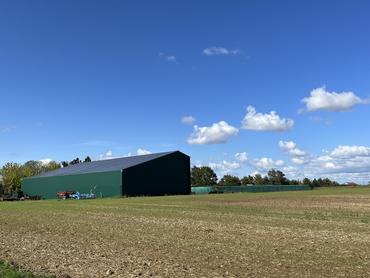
[113, 78]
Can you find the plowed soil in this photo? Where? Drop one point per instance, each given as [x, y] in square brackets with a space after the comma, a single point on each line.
[319, 233]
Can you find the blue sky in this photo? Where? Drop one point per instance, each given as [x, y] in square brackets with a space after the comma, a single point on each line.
[109, 78]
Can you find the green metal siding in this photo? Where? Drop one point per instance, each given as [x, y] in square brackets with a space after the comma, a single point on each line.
[107, 184]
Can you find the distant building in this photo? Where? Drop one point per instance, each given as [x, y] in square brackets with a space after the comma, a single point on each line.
[165, 173]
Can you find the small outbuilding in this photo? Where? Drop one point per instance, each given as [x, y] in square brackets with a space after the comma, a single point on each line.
[166, 173]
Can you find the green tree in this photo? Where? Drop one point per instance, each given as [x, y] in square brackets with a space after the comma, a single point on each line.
[315, 183]
[52, 165]
[75, 161]
[276, 177]
[64, 163]
[229, 180]
[32, 168]
[307, 181]
[258, 179]
[87, 159]
[203, 176]
[12, 174]
[1, 184]
[247, 180]
[266, 180]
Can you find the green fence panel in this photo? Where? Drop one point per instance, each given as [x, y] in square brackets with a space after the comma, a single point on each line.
[246, 188]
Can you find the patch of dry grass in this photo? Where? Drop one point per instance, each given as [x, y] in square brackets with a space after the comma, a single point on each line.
[320, 233]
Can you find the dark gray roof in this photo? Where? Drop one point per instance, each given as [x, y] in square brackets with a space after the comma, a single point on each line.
[107, 165]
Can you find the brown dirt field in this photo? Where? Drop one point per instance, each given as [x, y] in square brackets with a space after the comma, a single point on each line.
[320, 233]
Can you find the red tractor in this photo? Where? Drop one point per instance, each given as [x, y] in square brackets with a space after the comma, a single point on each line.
[65, 194]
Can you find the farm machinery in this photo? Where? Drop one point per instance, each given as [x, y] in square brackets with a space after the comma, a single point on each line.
[75, 195]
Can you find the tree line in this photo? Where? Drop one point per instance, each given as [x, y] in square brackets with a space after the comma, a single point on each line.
[13, 173]
[205, 176]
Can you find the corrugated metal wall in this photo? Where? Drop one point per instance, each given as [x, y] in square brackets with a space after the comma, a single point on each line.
[167, 175]
[107, 184]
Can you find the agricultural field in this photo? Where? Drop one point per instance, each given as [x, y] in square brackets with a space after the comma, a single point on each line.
[319, 233]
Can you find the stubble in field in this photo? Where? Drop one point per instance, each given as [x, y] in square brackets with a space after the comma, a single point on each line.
[320, 233]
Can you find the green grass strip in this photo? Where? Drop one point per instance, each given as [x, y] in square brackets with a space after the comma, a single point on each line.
[8, 270]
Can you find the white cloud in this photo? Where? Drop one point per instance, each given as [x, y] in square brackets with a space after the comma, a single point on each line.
[266, 163]
[265, 122]
[287, 145]
[350, 151]
[188, 120]
[298, 156]
[291, 148]
[291, 170]
[214, 51]
[217, 133]
[141, 151]
[169, 58]
[298, 160]
[329, 165]
[321, 99]
[224, 166]
[46, 161]
[343, 163]
[242, 157]
[107, 155]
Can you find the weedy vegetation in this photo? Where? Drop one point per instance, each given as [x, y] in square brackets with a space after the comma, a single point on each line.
[8, 270]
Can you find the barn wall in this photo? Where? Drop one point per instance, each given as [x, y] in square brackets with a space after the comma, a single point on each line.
[167, 175]
[108, 184]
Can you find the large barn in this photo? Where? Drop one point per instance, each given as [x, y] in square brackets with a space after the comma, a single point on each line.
[165, 173]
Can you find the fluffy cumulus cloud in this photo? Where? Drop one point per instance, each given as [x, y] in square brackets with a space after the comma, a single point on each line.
[298, 160]
[46, 161]
[109, 154]
[265, 122]
[242, 157]
[216, 51]
[321, 99]
[141, 151]
[298, 156]
[266, 163]
[291, 148]
[215, 134]
[350, 151]
[188, 120]
[287, 145]
[344, 163]
[343, 159]
[224, 166]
